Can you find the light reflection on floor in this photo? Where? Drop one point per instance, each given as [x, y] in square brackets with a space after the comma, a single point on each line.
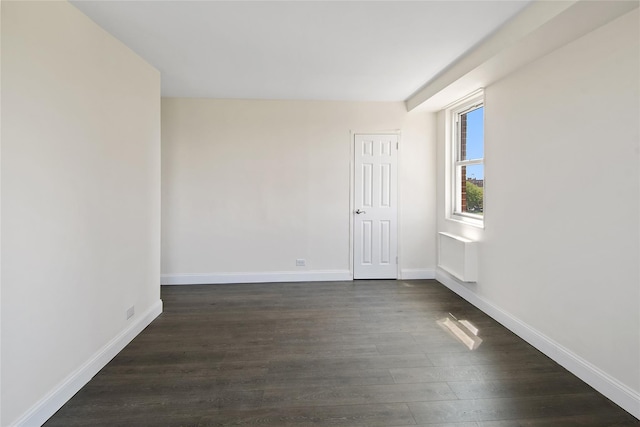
[463, 330]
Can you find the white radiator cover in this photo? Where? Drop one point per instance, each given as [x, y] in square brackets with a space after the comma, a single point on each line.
[458, 256]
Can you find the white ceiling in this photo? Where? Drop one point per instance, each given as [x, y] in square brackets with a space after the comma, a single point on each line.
[314, 50]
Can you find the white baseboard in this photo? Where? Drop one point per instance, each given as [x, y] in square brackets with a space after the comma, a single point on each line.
[264, 277]
[613, 389]
[56, 398]
[417, 273]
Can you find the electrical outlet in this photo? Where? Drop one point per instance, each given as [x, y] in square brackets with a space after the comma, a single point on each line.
[300, 263]
[131, 311]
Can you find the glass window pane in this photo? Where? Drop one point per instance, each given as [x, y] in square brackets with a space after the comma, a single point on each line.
[472, 134]
[472, 182]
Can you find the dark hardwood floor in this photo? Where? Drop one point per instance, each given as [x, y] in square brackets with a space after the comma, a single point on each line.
[363, 353]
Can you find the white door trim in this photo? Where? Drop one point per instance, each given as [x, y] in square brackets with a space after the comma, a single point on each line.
[352, 203]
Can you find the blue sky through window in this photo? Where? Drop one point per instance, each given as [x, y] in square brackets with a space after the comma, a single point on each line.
[475, 142]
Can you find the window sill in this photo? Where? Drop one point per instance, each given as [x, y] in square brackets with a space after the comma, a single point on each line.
[461, 219]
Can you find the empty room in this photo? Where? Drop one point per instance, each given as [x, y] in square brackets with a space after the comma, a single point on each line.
[327, 213]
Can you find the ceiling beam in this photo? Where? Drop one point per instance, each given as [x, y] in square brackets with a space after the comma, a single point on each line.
[538, 30]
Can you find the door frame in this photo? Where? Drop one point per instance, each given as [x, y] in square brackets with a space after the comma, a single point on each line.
[352, 196]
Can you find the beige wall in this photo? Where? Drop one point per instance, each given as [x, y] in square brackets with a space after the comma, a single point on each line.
[560, 248]
[251, 186]
[80, 199]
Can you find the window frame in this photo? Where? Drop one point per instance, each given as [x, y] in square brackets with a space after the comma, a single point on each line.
[455, 111]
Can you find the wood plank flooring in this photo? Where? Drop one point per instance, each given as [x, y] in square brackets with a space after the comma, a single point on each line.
[363, 353]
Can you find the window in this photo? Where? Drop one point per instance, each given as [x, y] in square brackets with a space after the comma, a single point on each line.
[467, 154]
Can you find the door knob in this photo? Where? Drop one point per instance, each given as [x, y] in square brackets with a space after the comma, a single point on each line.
[358, 211]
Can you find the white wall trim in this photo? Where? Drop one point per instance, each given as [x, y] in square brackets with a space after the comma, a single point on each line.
[417, 273]
[56, 398]
[258, 277]
[613, 389]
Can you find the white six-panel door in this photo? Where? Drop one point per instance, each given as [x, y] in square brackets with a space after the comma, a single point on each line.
[375, 246]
